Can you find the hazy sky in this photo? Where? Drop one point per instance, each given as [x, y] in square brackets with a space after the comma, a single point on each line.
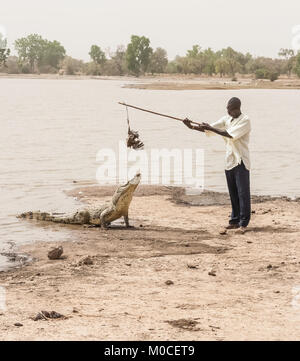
[259, 26]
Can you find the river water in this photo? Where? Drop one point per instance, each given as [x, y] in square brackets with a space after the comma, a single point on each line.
[51, 131]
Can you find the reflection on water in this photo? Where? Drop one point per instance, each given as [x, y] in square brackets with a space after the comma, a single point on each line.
[51, 131]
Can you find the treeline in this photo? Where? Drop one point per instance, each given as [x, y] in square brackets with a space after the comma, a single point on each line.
[38, 55]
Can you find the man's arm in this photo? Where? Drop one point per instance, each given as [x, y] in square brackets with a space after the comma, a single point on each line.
[223, 133]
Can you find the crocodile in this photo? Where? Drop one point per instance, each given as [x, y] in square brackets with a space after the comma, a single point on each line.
[102, 217]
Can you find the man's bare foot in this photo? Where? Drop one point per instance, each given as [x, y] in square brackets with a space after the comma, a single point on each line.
[241, 230]
[232, 226]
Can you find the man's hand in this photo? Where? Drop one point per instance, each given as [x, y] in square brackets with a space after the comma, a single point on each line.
[187, 122]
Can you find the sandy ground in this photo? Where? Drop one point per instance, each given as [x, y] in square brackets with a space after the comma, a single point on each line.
[214, 83]
[177, 81]
[224, 287]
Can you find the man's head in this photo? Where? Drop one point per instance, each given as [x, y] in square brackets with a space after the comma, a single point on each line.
[234, 107]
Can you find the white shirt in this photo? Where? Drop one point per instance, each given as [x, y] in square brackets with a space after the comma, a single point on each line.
[237, 147]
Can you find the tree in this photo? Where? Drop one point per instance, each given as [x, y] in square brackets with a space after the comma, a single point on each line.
[158, 61]
[222, 66]
[119, 59]
[194, 61]
[201, 61]
[183, 64]
[209, 60]
[53, 53]
[244, 60]
[194, 52]
[232, 58]
[138, 54]
[36, 51]
[30, 49]
[297, 65]
[289, 56]
[4, 52]
[97, 55]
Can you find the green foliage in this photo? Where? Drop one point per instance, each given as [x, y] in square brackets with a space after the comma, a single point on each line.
[97, 55]
[200, 61]
[264, 73]
[209, 57]
[261, 73]
[289, 56]
[184, 64]
[30, 49]
[222, 66]
[53, 53]
[4, 52]
[195, 52]
[297, 65]
[37, 52]
[138, 54]
[232, 58]
[158, 61]
[172, 67]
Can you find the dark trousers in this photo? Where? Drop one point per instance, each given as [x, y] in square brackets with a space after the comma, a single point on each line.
[238, 181]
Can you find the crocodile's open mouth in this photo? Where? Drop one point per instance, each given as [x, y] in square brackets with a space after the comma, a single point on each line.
[136, 179]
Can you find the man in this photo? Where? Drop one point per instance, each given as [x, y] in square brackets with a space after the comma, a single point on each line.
[235, 129]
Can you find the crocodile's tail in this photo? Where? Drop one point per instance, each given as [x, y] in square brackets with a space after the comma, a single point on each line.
[80, 217]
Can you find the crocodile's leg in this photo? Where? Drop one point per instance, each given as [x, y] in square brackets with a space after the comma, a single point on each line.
[104, 215]
[126, 219]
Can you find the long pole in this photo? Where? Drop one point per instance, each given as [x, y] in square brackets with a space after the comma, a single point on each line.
[160, 114]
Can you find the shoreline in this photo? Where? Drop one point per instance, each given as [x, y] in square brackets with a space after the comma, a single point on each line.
[88, 194]
[172, 277]
[174, 81]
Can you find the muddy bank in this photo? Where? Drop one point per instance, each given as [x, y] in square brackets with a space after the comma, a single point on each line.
[176, 81]
[214, 84]
[175, 194]
[94, 195]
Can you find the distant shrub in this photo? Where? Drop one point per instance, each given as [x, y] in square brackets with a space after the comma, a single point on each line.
[112, 68]
[172, 67]
[273, 75]
[92, 68]
[261, 73]
[11, 67]
[264, 73]
[47, 69]
[25, 69]
[72, 66]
